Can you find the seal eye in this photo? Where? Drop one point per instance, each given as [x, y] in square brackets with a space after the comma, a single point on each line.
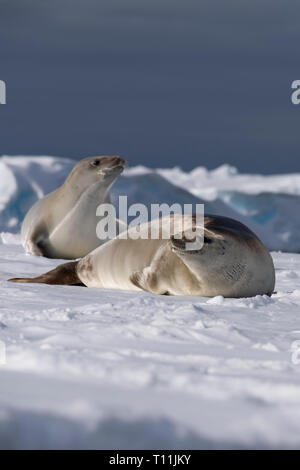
[95, 163]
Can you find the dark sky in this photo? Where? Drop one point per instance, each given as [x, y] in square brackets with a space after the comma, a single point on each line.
[160, 82]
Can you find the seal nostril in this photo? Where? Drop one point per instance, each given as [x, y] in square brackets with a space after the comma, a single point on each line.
[118, 160]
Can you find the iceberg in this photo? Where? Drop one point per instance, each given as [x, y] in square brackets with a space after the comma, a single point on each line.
[267, 204]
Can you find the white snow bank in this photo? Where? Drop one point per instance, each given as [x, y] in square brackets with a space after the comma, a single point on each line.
[207, 183]
[24, 180]
[269, 205]
[93, 368]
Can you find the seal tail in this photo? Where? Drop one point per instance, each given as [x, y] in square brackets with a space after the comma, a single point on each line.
[64, 274]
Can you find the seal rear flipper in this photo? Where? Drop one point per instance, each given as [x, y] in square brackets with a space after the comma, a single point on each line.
[64, 274]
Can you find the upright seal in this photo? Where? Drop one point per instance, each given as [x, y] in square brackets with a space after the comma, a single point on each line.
[63, 223]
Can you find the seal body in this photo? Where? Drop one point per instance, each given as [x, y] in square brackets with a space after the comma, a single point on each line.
[63, 223]
[232, 261]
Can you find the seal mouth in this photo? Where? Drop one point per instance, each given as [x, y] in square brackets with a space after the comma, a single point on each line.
[112, 169]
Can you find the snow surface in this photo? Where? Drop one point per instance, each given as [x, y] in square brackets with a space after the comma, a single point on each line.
[91, 368]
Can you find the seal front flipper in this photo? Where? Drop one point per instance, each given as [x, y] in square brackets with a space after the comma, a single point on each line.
[36, 242]
[64, 274]
[147, 281]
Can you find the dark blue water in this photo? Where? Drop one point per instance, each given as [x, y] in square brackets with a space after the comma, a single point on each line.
[160, 82]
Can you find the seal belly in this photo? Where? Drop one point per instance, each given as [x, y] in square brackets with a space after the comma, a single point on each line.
[111, 265]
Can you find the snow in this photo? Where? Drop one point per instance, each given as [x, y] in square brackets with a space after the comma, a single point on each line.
[91, 368]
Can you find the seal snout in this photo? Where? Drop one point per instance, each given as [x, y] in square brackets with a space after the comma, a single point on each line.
[112, 162]
[111, 165]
